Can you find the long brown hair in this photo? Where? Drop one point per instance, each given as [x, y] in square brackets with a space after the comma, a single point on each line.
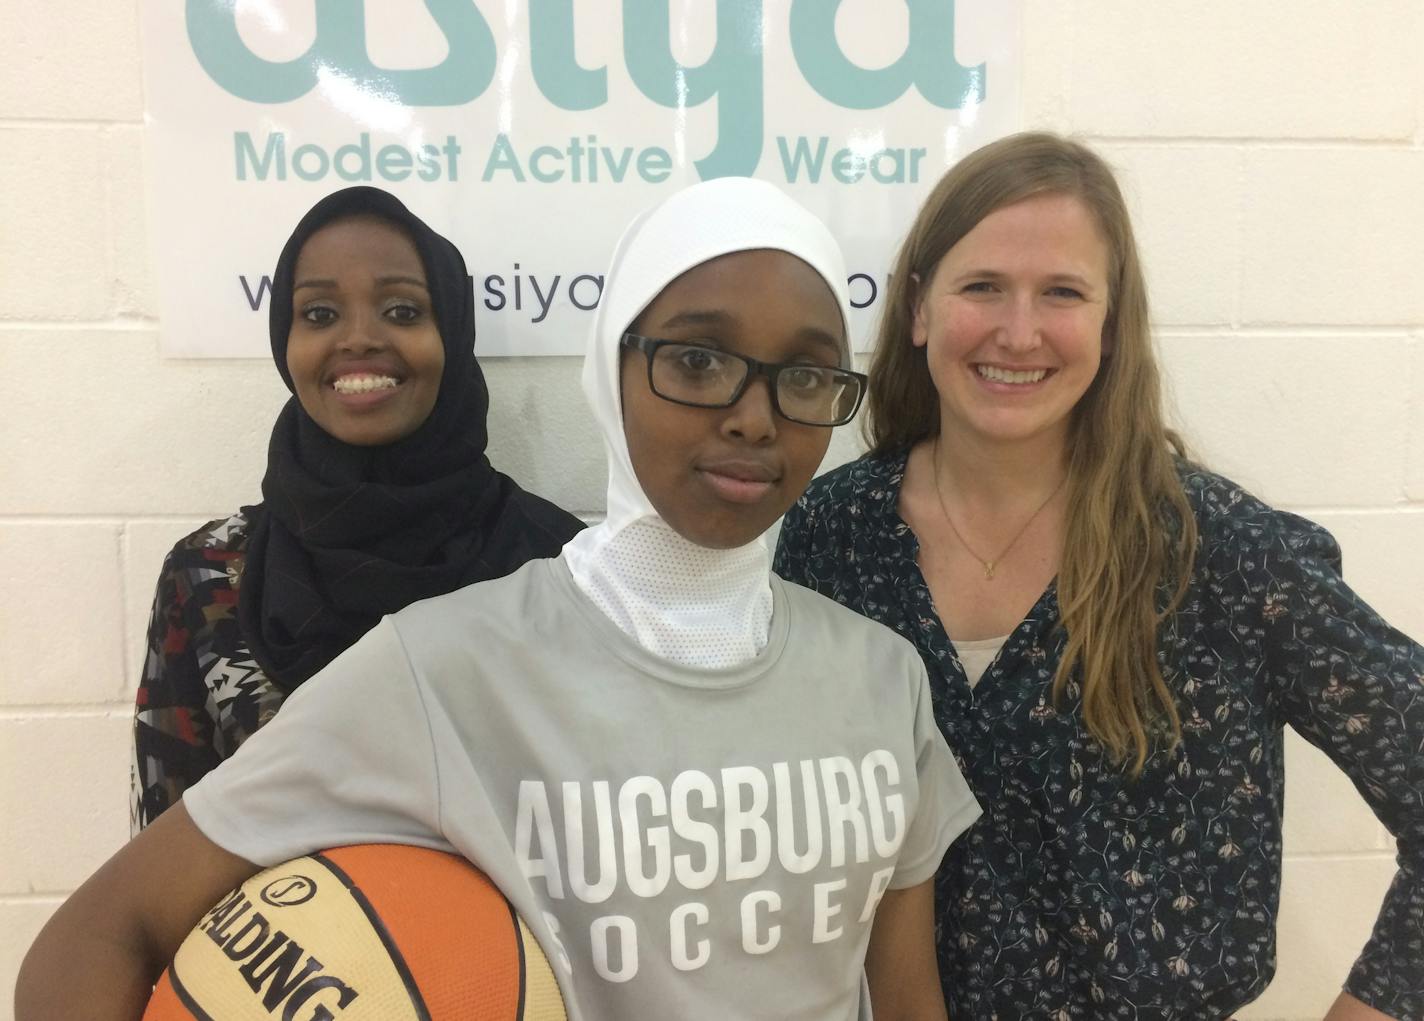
[1130, 536]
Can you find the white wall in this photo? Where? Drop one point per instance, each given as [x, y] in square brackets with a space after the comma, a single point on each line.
[1273, 152]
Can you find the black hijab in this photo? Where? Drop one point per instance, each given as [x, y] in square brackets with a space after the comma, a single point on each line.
[346, 534]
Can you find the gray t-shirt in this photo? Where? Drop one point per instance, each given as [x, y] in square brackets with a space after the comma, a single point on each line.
[684, 843]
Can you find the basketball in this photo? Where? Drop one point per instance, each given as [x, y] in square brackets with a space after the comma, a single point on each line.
[374, 931]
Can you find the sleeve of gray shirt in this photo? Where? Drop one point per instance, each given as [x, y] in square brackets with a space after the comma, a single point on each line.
[348, 760]
[946, 805]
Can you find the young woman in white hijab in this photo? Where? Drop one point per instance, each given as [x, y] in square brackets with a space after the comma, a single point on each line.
[710, 794]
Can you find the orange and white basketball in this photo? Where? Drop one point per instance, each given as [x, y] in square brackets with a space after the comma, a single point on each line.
[376, 931]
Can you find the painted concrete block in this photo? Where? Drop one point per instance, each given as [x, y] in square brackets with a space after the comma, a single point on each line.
[20, 923]
[1332, 236]
[65, 783]
[72, 61]
[542, 433]
[1304, 420]
[1328, 907]
[1384, 561]
[1185, 204]
[62, 607]
[1414, 443]
[1324, 814]
[143, 435]
[1047, 63]
[1282, 69]
[130, 254]
[53, 262]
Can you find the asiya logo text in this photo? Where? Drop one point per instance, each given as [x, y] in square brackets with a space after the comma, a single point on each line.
[733, 74]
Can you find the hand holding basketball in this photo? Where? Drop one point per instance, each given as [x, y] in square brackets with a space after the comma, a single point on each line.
[378, 931]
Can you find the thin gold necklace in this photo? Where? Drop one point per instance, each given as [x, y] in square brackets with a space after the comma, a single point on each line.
[988, 565]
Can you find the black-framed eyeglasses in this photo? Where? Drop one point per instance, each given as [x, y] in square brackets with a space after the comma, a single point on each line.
[701, 376]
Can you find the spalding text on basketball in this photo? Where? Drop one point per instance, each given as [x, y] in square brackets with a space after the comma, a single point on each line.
[274, 966]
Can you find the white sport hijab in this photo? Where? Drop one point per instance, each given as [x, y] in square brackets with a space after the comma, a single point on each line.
[686, 603]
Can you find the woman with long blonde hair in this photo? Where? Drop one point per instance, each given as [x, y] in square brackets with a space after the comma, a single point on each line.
[1115, 636]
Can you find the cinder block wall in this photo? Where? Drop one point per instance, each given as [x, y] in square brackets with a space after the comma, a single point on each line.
[1273, 153]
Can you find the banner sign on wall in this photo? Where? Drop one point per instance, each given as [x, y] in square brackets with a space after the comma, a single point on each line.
[531, 131]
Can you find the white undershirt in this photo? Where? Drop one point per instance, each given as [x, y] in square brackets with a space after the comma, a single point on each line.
[975, 657]
[700, 607]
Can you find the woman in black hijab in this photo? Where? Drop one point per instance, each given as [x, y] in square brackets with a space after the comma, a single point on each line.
[377, 491]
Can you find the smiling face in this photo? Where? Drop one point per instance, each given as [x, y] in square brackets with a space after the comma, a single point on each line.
[364, 351]
[722, 476]
[1012, 319]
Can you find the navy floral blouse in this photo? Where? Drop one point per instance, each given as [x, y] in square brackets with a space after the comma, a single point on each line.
[1082, 893]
